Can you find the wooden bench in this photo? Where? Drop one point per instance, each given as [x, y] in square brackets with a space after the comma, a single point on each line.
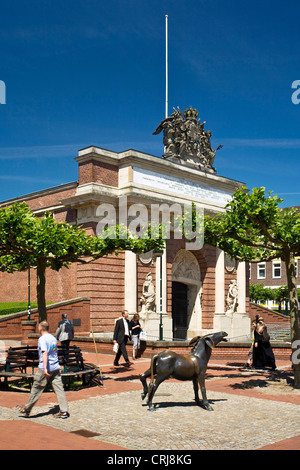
[74, 366]
[20, 359]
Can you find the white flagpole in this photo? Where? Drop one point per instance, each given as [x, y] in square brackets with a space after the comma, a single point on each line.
[166, 109]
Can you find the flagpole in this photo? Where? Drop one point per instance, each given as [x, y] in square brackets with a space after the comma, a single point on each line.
[167, 91]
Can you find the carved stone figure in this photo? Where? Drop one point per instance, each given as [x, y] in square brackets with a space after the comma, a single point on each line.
[232, 297]
[185, 139]
[148, 297]
[185, 266]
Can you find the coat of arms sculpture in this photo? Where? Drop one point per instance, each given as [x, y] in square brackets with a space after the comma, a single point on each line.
[185, 139]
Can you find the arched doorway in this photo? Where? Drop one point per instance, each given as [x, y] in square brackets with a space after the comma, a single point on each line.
[186, 295]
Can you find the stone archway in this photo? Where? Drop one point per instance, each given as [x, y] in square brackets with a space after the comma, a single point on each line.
[186, 271]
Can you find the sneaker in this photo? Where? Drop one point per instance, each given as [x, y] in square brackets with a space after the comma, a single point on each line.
[61, 415]
[23, 411]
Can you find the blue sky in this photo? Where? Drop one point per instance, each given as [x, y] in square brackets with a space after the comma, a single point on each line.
[82, 73]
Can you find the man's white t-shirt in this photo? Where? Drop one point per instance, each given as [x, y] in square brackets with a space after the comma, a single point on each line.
[48, 343]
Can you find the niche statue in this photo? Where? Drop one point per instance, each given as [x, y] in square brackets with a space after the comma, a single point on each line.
[148, 297]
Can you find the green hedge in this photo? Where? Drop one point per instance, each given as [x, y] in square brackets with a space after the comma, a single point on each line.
[13, 307]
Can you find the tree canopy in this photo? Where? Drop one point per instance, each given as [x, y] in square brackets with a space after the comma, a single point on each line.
[255, 228]
[42, 242]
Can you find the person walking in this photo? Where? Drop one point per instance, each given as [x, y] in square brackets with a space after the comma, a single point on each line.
[121, 336]
[48, 372]
[135, 328]
[65, 331]
[263, 355]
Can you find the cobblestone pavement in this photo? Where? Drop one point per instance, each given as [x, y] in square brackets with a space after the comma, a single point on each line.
[237, 422]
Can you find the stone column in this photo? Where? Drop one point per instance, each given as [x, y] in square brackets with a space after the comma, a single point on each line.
[153, 327]
[130, 282]
[241, 323]
[161, 267]
[220, 282]
[222, 322]
[241, 282]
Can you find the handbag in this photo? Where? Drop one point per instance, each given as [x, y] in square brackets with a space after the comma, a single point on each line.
[143, 336]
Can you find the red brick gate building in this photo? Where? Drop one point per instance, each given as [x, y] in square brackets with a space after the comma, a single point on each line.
[189, 286]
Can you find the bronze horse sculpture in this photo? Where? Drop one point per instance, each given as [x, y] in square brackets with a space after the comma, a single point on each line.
[191, 366]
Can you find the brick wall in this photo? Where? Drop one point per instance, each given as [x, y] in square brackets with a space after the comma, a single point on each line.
[207, 261]
[11, 328]
[98, 172]
[59, 285]
[235, 352]
[269, 281]
[46, 198]
[268, 315]
[103, 282]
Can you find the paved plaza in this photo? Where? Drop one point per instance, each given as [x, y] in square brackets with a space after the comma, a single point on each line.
[252, 410]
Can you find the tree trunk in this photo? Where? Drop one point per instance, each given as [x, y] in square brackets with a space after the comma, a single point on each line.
[295, 316]
[41, 289]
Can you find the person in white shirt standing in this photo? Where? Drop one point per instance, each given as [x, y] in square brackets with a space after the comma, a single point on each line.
[48, 371]
[121, 336]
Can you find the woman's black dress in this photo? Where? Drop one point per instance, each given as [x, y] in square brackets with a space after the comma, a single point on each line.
[263, 355]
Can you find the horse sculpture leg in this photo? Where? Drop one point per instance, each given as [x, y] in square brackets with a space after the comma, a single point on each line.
[153, 386]
[196, 390]
[203, 391]
[143, 379]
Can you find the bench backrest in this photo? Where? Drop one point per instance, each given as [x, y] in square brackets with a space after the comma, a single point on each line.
[27, 356]
[22, 357]
[70, 358]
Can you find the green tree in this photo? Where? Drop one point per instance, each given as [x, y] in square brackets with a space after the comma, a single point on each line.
[254, 228]
[41, 242]
[257, 293]
[281, 294]
[260, 293]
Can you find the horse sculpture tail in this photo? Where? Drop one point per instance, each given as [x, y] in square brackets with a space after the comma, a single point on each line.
[153, 359]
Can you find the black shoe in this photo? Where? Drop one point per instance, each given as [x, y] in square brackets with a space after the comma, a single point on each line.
[116, 364]
[128, 364]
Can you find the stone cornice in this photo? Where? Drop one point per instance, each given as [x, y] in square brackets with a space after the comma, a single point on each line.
[135, 158]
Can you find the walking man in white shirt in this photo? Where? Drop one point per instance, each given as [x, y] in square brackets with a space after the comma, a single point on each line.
[48, 371]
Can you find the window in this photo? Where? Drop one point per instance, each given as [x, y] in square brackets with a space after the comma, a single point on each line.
[276, 269]
[296, 268]
[261, 271]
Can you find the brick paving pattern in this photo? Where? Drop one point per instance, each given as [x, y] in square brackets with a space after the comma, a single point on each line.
[244, 417]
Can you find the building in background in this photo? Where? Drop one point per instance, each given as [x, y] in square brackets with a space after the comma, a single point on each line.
[272, 274]
[193, 291]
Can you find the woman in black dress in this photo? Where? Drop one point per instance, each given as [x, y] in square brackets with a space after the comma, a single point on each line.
[263, 355]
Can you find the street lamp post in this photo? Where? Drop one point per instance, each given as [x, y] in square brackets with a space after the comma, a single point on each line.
[29, 306]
